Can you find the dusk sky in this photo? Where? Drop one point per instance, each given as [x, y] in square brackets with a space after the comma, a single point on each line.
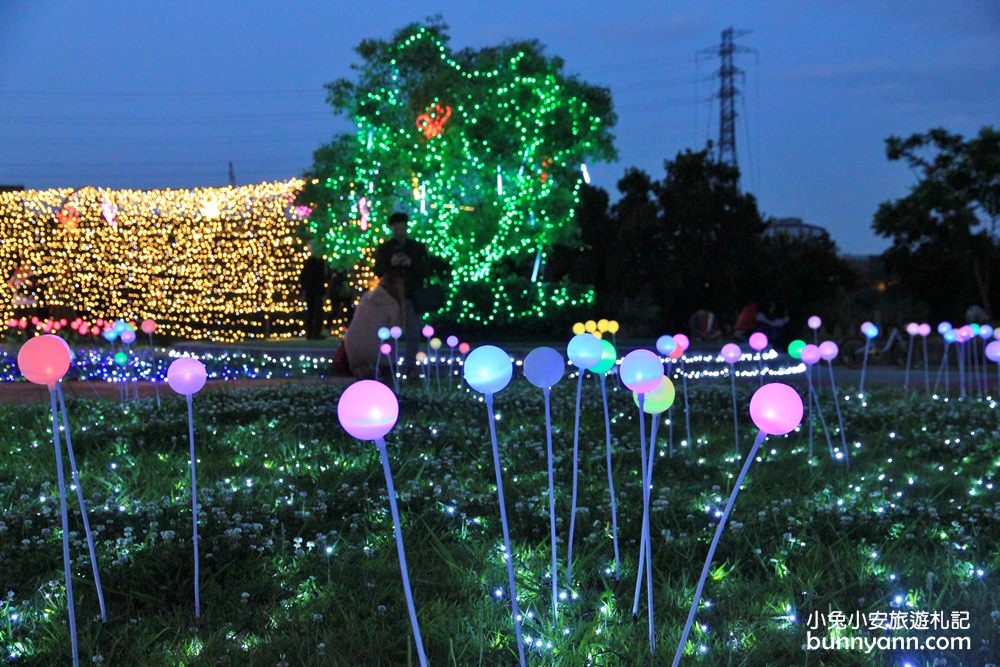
[150, 95]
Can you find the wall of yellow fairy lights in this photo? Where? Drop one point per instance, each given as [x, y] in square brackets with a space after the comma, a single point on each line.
[205, 263]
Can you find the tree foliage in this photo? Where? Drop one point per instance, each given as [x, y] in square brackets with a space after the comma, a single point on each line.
[482, 148]
[694, 240]
[944, 231]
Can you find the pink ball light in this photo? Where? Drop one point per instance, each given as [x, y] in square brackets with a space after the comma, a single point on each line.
[731, 353]
[924, 330]
[427, 331]
[758, 341]
[810, 354]
[913, 329]
[814, 322]
[367, 410]
[451, 341]
[682, 342]
[464, 348]
[186, 376]
[828, 350]
[44, 360]
[385, 349]
[147, 326]
[776, 409]
[641, 371]
[395, 332]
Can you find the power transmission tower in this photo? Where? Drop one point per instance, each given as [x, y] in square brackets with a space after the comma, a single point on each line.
[727, 75]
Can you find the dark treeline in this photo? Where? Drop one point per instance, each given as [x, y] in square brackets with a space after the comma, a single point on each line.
[693, 240]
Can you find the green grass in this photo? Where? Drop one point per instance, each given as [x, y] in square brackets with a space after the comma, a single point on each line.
[299, 564]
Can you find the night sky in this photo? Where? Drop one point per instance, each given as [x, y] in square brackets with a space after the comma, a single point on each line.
[147, 95]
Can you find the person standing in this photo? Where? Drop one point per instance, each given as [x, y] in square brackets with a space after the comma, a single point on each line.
[408, 258]
[313, 280]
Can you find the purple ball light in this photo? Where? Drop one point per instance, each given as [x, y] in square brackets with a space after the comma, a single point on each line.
[731, 352]
[367, 410]
[186, 376]
[776, 409]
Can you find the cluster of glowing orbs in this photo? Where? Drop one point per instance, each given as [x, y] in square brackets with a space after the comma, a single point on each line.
[776, 409]
[367, 410]
[544, 367]
[641, 371]
[488, 369]
[186, 376]
[44, 359]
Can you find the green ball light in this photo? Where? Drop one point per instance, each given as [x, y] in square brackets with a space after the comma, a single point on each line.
[609, 356]
[121, 358]
[659, 400]
[795, 348]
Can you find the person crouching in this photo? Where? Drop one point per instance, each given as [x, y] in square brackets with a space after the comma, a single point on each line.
[381, 307]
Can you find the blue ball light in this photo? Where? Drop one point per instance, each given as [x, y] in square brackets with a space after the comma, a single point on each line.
[584, 350]
[641, 371]
[383, 333]
[665, 344]
[488, 369]
[544, 367]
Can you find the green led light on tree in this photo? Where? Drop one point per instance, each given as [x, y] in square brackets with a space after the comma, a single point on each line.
[481, 148]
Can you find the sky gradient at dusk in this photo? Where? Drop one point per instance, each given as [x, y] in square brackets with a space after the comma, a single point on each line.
[146, 95]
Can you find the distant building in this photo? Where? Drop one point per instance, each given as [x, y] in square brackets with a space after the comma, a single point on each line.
[11, 188]
[796, 228]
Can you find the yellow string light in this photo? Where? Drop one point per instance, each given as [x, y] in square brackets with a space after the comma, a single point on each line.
[216, 263]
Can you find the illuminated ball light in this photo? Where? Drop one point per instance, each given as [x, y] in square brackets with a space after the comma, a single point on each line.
[584, 350]
[488, 369]
[384, 333]
[148, 326]
[544, 367]
[665, 345]
[758, 341]
[659, 400]
[427, 331]
[186, 376]
[810, 354]
[395, 332]
[795, 348]
[641, 371]
[828, 350]
[731, 353]
[367, 410]
[814, 322]
[128, 336]
[609, 357]
[993, 351]
[44, 359]
[451, 341]
[121, 359]
[776, 409]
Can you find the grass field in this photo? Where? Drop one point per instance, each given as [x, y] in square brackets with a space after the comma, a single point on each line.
[299, 564]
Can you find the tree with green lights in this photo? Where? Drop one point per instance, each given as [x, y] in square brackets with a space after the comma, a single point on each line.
[484, 149]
